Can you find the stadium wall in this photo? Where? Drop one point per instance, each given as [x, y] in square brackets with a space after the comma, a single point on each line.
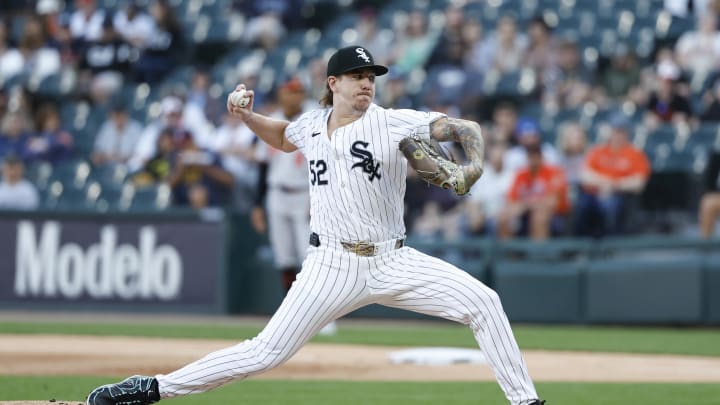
[182, 262]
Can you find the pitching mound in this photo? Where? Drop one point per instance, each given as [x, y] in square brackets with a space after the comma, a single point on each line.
[118, 356]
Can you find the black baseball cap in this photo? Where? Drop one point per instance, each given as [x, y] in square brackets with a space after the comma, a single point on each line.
[353, 57]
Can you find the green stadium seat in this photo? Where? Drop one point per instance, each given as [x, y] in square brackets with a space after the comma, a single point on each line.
[150, 199]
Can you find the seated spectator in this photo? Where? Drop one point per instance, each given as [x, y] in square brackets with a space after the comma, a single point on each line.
[134, 25]
[117, 137]
[165, 47]
[537, 204]
[572, 144]
[50, 143]
[504, 51]
[542, 50]
[504, 124]
[158, 168]
[236, 144]
[265, 28]
[569, 83]
[527, 134]
[211, 108]
[10, 58]
[193, 167]
[49, 13]
[699, 50]
[14, 134]
[450, 48]
[622, 75]
[86, 22]
[33, 56]
[710, 202]
[666, 104]
[104, 63]
[371, 36]
[16, 193]
[394, 93]
[488, 195]
[440, 217]
[174, 114]
[412, 49]
[612, 177]
[710, 110]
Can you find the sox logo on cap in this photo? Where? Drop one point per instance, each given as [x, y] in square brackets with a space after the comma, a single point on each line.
[362, 55]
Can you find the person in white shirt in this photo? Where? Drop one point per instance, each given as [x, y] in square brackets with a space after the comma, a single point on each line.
[488, 196]
[235, 143]
[699, 50]
[16, 193]
[87, 20]
[117, 138]
[134, 25]
[174, 113]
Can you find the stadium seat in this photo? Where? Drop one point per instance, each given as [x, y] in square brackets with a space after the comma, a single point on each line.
[39, 173]
[79, 199]
[148, 199]
[510, 84]
[669, 27]
[71, 174]
[110, 175]
[706, 135]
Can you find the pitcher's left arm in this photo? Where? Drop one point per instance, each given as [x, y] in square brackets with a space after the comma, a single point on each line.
[469, 135]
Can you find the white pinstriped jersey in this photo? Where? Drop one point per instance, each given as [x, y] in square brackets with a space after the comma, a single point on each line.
[357, 176]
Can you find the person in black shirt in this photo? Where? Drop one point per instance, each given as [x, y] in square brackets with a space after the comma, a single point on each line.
[105, 62]
[164, 48]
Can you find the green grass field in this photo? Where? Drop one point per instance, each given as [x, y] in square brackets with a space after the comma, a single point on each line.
[379, 393]
[690, 341]
[701, 342]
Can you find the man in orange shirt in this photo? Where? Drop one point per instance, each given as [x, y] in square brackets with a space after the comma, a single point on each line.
[612, 177]
[537, 201]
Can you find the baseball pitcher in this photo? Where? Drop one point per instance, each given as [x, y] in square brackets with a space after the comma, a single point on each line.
[357, 155]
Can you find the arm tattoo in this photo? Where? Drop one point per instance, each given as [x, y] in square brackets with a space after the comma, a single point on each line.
[468, 134]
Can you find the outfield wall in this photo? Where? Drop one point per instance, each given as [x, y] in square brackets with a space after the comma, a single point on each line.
[184, 262]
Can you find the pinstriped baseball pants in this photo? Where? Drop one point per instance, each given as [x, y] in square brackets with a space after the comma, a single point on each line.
[333, 283]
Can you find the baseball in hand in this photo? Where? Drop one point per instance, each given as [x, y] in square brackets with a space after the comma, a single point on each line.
[239, 98]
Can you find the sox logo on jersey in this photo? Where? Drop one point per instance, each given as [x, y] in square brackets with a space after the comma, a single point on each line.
[367, 163]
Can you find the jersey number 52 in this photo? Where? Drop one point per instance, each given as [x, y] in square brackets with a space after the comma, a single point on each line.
[317, 170]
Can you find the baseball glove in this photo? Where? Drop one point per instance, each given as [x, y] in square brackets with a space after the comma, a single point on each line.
[433, 165]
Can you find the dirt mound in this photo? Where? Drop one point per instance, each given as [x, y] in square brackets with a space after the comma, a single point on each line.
[121, 356]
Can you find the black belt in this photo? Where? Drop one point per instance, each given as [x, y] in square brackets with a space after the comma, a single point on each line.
[359, 248]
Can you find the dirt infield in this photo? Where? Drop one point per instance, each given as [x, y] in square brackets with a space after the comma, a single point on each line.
[118, 356]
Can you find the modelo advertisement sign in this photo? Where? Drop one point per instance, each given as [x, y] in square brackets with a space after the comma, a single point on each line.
[122, 265]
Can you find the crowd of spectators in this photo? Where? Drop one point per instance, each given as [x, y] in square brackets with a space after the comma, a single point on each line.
[543, 177]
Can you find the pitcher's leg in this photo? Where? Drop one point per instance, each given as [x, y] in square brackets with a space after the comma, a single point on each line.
[417, 282]
[323, 290]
